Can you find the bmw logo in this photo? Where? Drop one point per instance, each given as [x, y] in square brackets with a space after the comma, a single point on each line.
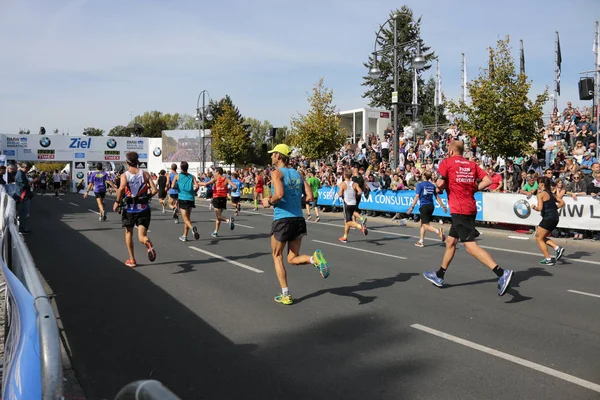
[522, 209]
[111, 143]
[45, 142]
[157, 152]
[80, 175]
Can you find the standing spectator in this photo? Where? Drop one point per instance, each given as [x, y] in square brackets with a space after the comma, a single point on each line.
[549, 146]
[23, 190]
[2, 172]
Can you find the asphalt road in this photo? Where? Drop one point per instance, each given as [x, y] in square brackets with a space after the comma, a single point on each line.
[375, 329]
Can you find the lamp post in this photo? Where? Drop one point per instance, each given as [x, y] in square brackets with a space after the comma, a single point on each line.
[203, 114]
[418, 63]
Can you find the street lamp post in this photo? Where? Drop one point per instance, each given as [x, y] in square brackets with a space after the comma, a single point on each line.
[203, 114]
[418, 63]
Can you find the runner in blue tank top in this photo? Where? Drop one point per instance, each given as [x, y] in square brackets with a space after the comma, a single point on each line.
[188, 186]
[98, 181]
[173, 193]
[289, 225]
[425, 192]
[237, 193]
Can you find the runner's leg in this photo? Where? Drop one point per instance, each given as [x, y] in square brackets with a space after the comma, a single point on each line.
[129, 241]
[277, 253]
[294, 257]
[187, 223]
[540, 236]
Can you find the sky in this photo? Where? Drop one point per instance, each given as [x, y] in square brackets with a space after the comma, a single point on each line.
[71, 64]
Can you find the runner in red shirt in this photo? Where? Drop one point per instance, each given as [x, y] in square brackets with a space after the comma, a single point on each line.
[259, 188]
[459, 177]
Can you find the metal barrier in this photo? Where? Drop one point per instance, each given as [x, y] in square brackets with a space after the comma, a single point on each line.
[146, 390]
[33, 350]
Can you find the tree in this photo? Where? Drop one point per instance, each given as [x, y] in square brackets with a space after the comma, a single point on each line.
[380, 90]
[187, 122]
[501, 117]
[218, 108]
[428, 105]
[318, 133]
[230, 141]
[154, 122]
[118, 130]
[89, 131]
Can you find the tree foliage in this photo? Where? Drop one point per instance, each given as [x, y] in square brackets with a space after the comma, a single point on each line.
[218, 108]
[501, 116]
[230, 141]
[89, 131]
[428, 105]
[154, 122]
[118, 130]
[380, 90]
[186, 122]
[318, 133]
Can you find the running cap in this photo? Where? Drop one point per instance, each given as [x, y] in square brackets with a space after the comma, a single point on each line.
[282, 149]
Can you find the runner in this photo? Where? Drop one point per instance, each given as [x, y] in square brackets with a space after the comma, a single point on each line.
[209, 189]
[459, 177]
[259, 188]
[360, 181]
[549, 211]
[219, 199]
[314, 184]
[98, 181]
[56, 182]
[173, 193]
[43, 181]
[425, 191]
[133, 191]
[162, 188]
[289, 225]
[237, 193]
[187, 199]
[349, 192]
[64, 178]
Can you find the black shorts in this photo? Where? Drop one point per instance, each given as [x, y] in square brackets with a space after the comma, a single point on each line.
[220, 203]
[174, 196]
[349, 211]
[549, 224]
[64, 183]
[463, 227]
[100, 195]
[56, 185]
[426, 212]
[288, 229]
[129, 220]
[43, 185]
[187, 204]
[235, 199]
[162, 194]
[209, 194]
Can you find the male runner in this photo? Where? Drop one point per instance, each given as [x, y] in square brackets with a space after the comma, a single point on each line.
[360, 181]
[459, 177]
[237, 193]
[56, 182]
[162, 188]
[259, 188]
[173, 193]
[219, 199]
[133, 189]
[187, 191]
[289, 225]
[98, 181]
[314, 184]
[425, 191]
[349, 191]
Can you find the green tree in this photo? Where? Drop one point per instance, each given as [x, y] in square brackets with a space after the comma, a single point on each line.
[218, 108]
[428, 105]
[380, 90]
[501, 116]
[187, 121]
[318, 133]
[230, 141]
[118, 130]
[89, 131]
[154, 122]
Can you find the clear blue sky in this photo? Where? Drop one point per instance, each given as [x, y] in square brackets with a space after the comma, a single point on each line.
[69, 64]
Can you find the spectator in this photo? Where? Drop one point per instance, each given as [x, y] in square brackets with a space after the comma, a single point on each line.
[496, 185]
[549, 146]
[23, 190]
[530, 186]
[586, 163]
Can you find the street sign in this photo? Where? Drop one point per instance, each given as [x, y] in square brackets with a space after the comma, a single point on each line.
[79, 165]
[394, 97]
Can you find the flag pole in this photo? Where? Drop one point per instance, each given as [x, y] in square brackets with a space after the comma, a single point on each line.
[437, 94]
[464, 78]
[522, 69]
[597, 87]
[556, 72]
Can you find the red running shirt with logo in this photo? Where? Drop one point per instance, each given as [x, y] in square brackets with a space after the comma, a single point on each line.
[461, 177]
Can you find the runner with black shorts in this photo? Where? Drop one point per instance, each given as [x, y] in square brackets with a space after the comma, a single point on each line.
[259, 188]
[135, 189]
[219, 199]
[459, 178]
[98, 181]
[289, 225]
[424, 193]
[360, 180]
[56, 182]
[173, 193]
[187, 199]
[236, 194]
[349, 191]
[162, 188]
[549, 211]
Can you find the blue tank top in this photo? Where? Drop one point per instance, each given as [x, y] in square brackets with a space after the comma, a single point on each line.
[238, 192]
[98, 178]
[426, 192]
[290, 205]
[186, 187]
[172, 176]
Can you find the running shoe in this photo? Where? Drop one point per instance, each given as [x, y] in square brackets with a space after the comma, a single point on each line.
[175, 213]
[100, 218]
[343, 239]
[309, 218]
[364, 230]
[104, 216]
[559, 252]
[150, 250]
[214, 234]
[504, 282]
[419, 244]
[131, 263]
[196, 234]
[442, 235]
[231, 223]
[176, 220]
[164, 211]
[363, 222]
[432, 277]
[321, 263]
[183, 238]
[544, 261]
[317, 219]
[287, 300]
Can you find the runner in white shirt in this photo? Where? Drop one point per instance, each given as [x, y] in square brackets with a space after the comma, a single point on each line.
[56, 182]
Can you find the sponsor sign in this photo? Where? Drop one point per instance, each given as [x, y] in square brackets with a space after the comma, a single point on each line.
[79, 155]
[16, 142]
[45, 154]
[10, 153]
[142, 155]
[135, 144]
[112, 155]
[387, 114]
[80, 165]
[143, 165]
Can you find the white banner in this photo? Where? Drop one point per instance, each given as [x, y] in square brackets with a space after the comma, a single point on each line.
[580, 213]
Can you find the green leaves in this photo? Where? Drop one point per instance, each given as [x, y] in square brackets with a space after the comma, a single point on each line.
[89, 131]
[230, 141]
[118, 130]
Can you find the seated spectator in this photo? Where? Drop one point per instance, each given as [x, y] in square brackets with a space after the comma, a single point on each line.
[530, 186]
[496, 185]
[586, 163]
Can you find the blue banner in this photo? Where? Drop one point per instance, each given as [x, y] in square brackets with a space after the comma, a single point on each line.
[391, 201]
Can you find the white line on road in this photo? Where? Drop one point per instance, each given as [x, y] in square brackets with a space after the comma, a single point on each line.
[540, 368]
[519, 237]
[74, 204]
[237, 264]
[236, 224]
[95, 212]
[357, 249]
[584, 293]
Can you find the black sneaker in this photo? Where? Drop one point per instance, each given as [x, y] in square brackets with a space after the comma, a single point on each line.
[231, 223]
[196, 234]
[559, 253]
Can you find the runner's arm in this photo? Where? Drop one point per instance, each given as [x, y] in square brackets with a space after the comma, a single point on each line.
[233, 185]
[485, 182]
[153, 189]
[540, 200]
[355, 186]
[414, 202]
[172, 186]
[309, 194]
[277, 181]
[207, 183]
[120, 191]
[439, 200]
[341, 189]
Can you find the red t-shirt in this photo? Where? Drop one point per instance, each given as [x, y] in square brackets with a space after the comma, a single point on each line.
[496, 179]
[461, 177]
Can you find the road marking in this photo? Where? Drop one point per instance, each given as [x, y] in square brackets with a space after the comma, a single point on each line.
[74, 204]
[519, 237]
[538, 367]
[584, 293]
[254, 212]
[236, 224]
[357, 249]
[537, 254]
[237, 264]
[61, 199]
[95, 212]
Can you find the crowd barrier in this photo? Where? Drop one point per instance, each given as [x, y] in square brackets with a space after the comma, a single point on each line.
[512, 208]
[32, 349]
